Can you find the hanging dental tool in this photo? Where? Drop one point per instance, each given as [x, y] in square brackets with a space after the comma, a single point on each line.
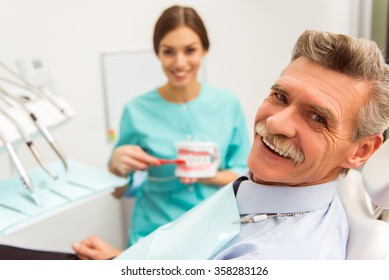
[18, 166]
[9, 111]
[65, 110]
[22, 102]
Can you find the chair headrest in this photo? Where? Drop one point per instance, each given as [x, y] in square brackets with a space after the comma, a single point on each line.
[375, 176]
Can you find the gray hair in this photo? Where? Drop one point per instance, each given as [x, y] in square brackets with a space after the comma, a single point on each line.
[356, 58]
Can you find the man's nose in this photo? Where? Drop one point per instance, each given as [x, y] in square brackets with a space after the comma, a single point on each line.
[283, 122]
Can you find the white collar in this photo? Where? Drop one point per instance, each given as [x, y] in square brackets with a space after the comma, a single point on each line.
[257, 198]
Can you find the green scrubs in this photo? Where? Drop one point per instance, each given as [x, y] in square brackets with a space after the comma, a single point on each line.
[155, 125]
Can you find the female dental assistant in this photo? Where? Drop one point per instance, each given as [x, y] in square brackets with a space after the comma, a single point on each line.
[183, 109]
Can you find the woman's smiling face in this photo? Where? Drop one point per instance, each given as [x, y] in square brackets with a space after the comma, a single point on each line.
[181, 53]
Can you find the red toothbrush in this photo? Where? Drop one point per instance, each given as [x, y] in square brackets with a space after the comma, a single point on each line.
[172, 161]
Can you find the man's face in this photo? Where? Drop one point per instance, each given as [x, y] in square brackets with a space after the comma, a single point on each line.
[309, 116]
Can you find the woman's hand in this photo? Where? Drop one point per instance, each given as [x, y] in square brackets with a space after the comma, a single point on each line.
[95, 248]
[128, 158]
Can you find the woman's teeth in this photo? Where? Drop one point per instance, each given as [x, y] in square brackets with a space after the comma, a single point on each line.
[179, 73]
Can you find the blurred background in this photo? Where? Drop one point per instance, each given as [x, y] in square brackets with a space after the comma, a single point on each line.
[251, 42]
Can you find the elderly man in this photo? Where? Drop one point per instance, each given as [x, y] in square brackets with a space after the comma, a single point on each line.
[325, 114]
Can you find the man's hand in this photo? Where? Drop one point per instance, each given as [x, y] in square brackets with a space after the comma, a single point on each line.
[95, 248]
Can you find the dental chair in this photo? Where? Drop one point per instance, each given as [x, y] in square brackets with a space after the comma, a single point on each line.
[365, 196]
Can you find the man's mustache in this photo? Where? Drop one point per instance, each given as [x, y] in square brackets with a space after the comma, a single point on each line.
[282, 144]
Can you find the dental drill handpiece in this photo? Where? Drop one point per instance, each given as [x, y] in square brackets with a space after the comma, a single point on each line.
[26, 137]
[45, 132]
[18, 165]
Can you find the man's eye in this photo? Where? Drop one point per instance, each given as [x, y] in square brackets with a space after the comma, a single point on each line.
[318, 119]
[281, 97]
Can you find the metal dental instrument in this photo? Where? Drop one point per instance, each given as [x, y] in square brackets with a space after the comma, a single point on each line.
[18, 165]
[50, 139]
[254, 218]
[26, 137]
[45, 132]
[26, 85]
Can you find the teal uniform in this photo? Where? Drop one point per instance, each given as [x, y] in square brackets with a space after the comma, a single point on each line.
[156, 125]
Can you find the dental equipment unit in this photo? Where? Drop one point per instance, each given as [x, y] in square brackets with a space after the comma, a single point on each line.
[18, 165]
[6, 108]
[21, 101]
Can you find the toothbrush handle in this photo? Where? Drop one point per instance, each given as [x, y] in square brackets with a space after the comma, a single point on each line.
[171, 161]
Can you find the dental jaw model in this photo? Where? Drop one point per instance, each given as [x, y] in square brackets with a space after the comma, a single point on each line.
[201, 159]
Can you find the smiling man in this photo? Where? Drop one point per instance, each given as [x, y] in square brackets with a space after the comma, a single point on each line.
[324, 115]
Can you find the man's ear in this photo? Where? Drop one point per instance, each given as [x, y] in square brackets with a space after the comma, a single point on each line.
[365, 147]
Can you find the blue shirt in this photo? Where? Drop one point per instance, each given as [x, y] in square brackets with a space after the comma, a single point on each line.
[155, 125]
[319, 232]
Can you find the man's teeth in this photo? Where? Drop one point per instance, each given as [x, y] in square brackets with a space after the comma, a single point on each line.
[272, 147]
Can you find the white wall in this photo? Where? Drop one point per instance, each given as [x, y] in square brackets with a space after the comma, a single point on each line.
[250, 44]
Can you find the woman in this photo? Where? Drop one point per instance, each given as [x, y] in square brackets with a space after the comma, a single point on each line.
[180, 110]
